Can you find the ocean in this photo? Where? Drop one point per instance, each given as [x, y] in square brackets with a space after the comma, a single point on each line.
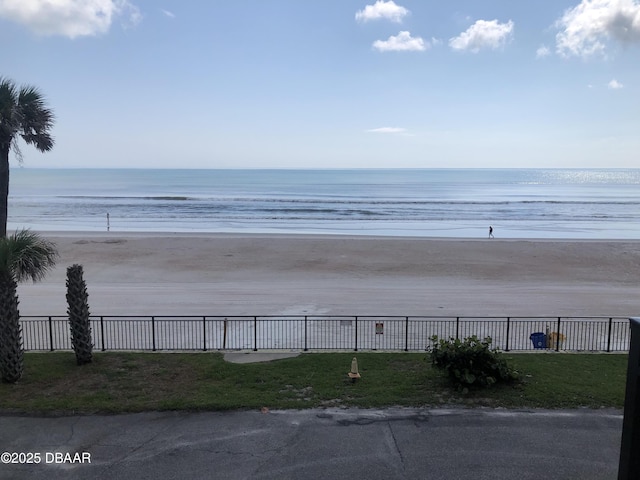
[461, 203]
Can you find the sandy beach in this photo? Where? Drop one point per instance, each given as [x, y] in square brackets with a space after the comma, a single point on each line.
[255, 274]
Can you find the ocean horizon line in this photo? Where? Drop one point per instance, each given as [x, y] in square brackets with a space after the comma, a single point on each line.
[302, 169]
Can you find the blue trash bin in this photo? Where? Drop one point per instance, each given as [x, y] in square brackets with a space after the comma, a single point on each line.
[539, 340]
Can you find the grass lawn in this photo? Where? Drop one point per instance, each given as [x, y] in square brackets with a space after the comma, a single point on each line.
[133, 382]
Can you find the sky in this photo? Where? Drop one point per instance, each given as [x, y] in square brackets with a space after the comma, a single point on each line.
[330, 83]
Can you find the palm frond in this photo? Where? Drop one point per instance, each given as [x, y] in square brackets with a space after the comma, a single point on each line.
[35, 118]
[17, 152]
[8, 94]
[8, 102]
[26, 255]
[24, 111]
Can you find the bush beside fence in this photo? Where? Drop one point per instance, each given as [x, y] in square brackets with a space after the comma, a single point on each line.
[304, 333]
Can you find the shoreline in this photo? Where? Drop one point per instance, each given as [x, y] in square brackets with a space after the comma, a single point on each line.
[147, 273]
[174, 234]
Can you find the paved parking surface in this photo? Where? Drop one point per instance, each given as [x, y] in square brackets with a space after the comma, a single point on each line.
[317, 444]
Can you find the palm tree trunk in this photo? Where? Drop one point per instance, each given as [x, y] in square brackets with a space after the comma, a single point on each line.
[78, 310]
[4, 188]
[11, 353]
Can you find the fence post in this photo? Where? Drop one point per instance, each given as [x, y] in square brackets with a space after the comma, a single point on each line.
[204, 334]
[356, 349]
[102, 333]
[609, 335]
[255, 334]
[406, 334]
[153, 333]
[224, 334]
[457, 328]
[629, 465]
[305, 334]
[51, 334]
[508, 324]
[558, 337]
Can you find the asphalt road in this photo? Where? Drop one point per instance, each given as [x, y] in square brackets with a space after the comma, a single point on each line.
[316, 444]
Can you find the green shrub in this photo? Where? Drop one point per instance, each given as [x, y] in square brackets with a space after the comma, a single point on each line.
[471, 362]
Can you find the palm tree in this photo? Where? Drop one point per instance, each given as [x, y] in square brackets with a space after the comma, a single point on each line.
[23, 255]
[23, 112]
[78, 311]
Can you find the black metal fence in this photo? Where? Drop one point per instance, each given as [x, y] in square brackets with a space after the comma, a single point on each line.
[321, 332]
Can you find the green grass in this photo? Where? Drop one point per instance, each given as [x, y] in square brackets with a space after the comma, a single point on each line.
[133, 382]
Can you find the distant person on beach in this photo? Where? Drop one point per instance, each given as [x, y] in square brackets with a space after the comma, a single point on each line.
[108, 225]
[490, 231]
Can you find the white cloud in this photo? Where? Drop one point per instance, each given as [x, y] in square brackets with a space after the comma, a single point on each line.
[586, 28]
[382, 10]
[167, 13]
[543, 51]
[483, 34]
[403, 42]
[70, 18]
[387, 130]
[614, 84]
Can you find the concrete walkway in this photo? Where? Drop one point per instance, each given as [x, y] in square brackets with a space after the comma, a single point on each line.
[318, 444]
[246, 356]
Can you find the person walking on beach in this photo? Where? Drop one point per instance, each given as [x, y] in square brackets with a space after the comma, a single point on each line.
[490, 231]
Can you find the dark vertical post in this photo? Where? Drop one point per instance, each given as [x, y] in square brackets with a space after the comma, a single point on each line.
[558, 337]
[51, 334]
[204, 334]
[609, 335]
[356, 349]
[629, 466]
[102, 333]
[255, 334]
[153, 333]
[406, 334]
[508, 324]
[305, 334]
[457, 328]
